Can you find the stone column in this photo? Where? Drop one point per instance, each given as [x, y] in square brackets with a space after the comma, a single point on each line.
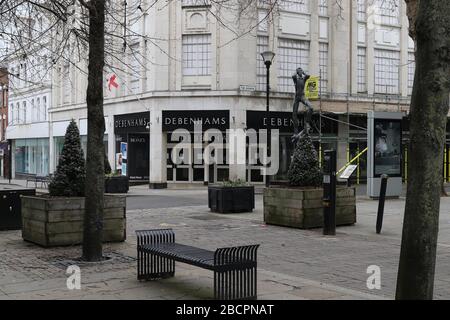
[339, 47]
[404, 44]
[236, 145]
[158, 147]
[314, 44]
[342, 143]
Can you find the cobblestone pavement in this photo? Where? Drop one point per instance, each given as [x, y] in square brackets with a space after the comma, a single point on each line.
[292, 263]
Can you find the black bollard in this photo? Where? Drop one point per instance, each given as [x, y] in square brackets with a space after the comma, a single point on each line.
[384, 179]
[329, 192]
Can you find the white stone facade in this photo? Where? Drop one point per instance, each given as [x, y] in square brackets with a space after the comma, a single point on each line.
[185, 59]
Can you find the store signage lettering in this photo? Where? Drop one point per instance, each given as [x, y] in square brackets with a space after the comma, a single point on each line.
[131, 122]
[192, 121]
[278, 122]
[217, 119]
[283, 121]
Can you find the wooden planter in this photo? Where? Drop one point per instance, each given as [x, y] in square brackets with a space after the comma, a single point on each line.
[58, 221]
[224, 199]
[303, 208]
[116, 184]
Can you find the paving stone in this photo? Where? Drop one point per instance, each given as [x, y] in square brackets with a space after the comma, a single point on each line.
[292, 263]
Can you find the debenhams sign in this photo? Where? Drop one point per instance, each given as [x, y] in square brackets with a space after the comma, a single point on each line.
[217, 119]
[132, 122]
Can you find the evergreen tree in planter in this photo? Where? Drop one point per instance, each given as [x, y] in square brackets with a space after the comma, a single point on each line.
[304, 170]
[70, 173]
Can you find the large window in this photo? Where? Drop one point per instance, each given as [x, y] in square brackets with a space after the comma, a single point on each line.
[66, 89]
[411, 71]
[186, 3]
[292, 55]
[44, 108]
[135, 68]
[387, 71]
[388, 11]
[323, 7]
[323, 66]
[59, 143]
[262, 45]
[295, 5]
[197, 55]
[362, 79]
[38, 109]
[31, 156]
[24, 112]
[361, 8]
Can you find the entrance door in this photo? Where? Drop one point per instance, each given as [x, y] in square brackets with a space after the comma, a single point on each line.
[138, 156]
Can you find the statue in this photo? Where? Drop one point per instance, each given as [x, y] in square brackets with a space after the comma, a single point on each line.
[300, 78]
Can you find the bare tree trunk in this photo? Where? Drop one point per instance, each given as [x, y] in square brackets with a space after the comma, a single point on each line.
[429, 109]
[93, 217]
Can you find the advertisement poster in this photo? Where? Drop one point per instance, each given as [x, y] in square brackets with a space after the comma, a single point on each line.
[124, 169]
[388, 147]
[119, 161]
[123, 150]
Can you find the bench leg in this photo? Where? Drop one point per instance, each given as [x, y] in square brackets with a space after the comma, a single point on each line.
[235, 284]
[151, 266]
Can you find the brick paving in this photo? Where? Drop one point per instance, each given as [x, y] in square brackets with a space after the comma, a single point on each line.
[292, 263]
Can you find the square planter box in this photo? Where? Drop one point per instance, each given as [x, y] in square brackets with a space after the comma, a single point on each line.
[231, 199]
[117, 184]
[58, 221]
[303, 208]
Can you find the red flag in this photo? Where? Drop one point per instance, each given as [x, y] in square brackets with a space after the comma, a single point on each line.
[112, 82]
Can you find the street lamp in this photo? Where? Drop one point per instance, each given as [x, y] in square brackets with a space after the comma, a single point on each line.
[267, 58]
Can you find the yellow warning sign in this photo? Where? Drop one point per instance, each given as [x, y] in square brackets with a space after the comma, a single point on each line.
[312, 88]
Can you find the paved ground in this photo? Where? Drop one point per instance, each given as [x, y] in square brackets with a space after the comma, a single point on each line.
[293, 264]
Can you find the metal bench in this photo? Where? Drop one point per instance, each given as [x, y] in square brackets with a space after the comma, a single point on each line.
[43, 180]
[234, 267]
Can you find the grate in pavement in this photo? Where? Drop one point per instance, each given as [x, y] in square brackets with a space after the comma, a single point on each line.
[112, 258]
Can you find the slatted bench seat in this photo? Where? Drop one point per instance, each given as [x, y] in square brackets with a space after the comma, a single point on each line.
[234, 267]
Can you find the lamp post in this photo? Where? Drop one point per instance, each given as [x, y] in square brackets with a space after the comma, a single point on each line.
[268, 58]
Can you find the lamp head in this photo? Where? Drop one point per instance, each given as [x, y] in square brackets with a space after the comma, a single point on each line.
[267, 57]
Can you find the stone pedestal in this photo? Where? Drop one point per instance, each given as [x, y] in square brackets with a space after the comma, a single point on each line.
[58, 221]
[303, 208]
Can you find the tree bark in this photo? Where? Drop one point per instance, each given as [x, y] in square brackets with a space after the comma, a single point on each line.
[93, 217]
[428, 114]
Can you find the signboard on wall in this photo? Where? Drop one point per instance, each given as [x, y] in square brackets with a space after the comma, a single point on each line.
[283, 121]
[131, 122]
[181, 119]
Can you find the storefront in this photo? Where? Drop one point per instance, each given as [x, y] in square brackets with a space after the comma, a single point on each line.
[192, 168]
[132, 144]
[31, 157]
[324, 135]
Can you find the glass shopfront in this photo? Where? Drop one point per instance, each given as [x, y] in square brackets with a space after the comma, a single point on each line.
[32, 156]
[132, 145]
[323, 134]
[196, 170]
[59, 143]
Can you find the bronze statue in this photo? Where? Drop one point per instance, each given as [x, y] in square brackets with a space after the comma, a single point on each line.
[300, 78]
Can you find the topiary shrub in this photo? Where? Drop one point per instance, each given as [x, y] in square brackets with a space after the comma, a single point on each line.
[304, 170]
[70, 174]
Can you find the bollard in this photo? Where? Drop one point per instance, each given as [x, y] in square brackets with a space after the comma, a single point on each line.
[382, 197]
[329, 192]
